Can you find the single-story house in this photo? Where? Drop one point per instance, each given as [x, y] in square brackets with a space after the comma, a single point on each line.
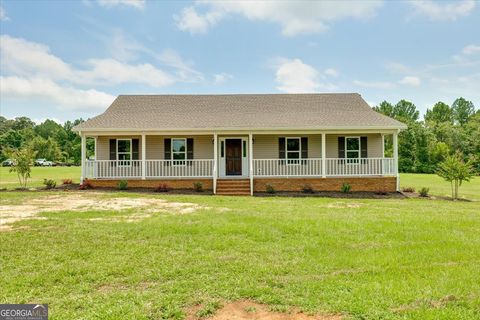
[242, 143]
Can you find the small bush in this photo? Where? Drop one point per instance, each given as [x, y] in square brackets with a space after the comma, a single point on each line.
[408, 189]
[424, 192]
[86, 185]
[198, 186]
[161, 188]
[269, 188]
[306, 188]
[345, 188]
[67, 181]
[122, 185]
[49, 183]
[381, 192]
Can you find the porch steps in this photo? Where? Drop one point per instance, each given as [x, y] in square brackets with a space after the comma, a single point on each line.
[233, 187]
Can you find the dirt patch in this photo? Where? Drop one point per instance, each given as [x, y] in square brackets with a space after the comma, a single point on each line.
[91, 201]
[434, 304]
[248, 310]
[343, 205]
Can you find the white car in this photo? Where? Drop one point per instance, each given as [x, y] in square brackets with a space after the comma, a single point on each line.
[43, 163]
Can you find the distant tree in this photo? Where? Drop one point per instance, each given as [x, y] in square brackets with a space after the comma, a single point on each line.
[438, 152]
[46, 148]
[462, 110]
[22, 159]
[441, 112]
[385, 108]
[21, 123]
[49, 128]
[405, 111]
[455, 170]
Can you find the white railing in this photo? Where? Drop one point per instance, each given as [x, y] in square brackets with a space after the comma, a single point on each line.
[179, 168]
[360, 167]
[113, 169]
[287, 168]
[333, 167]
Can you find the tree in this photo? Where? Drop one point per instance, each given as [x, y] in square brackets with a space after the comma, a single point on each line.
[441, 112]
[405, 111]
[462, 110]
[22, 159]
[385, 108]
[46, 148]
[21, 123]
[455, 171]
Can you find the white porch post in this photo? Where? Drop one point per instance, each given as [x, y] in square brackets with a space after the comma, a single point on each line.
[250, 166]
[144, 156]
[215, 162]
[83, 155]
[395, 157]
[324, 156]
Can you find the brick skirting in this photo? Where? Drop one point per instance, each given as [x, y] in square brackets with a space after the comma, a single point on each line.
[152, 183]
[373, 184]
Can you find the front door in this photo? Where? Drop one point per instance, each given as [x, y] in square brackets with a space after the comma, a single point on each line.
[233, 159]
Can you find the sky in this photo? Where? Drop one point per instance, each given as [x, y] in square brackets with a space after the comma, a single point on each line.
[64, 60]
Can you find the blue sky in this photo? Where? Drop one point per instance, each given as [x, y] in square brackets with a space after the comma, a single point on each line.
[69, 59]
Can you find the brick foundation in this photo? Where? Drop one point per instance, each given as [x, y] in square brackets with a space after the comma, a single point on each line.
[372, 184]
[171, 183]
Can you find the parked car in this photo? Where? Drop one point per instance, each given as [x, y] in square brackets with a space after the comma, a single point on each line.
[8, 163]
[43, 163]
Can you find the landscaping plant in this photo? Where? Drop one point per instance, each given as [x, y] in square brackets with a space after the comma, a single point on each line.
[198, 186]
[408, 189]
[49, 183]
[455, 171]
[67, 181]
[307, 188]
[122, 185]
[161, 188]
[270, 189]
[346, 188]
[22, 159]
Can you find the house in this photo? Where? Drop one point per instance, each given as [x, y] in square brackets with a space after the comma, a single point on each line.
[240, 143]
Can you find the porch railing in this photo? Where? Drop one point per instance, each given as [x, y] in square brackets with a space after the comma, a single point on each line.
[287, 168]
[359, 167]
[113, 169]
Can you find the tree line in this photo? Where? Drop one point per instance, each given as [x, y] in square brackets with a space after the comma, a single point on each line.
[445, 130]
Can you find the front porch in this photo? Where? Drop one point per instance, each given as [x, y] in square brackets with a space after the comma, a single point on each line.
[286, 160]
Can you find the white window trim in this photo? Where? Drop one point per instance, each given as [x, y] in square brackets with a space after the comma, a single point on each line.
[172, 152]
[359, 150]
[129, 161]
[299, 151]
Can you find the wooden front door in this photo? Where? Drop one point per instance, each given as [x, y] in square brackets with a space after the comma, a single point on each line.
[233, 159]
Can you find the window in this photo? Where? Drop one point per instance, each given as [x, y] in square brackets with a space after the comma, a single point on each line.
[179, 151]
[293, 150]
[124, 152]
[352, 149]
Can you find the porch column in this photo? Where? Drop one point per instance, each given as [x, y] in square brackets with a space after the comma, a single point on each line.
[215, 162]
[324, 156]
[395, 157]
[250, 166]
[144, 156]
[83, 155]
[383, 145]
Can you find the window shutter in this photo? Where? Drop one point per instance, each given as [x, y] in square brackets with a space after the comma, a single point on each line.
[304, 146]
[341, 147]
[363, 147]
[167, 148]
[113, 149]
[281, 147]
[189, 151]
[135, 155]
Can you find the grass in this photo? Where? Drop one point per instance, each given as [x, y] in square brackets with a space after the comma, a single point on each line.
[366, 259]
[9, 180]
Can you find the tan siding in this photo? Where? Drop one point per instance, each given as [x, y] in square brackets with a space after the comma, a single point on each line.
[266, 146]
[103, 146]
[374, 142]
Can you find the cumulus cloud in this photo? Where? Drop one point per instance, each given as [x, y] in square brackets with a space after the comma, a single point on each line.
[331, 72]
[46, 90]
[410, 81]
[436, 10]
[137, 4]
[294, 17]
[3, 14]
[294, 76]
[220, 78]
[471, 49]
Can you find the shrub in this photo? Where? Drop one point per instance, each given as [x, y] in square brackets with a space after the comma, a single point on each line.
[455, 171]
[86, 185]
[269, 188]
[345, 187]
[408, 189]
[307, 188]
[198, 186]
[424, 192]
[49, 183]
[122, 185]
[381, 192]
[22, 159]
[67, 181]
[161, 188]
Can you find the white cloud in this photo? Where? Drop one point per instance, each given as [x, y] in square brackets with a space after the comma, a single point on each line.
[294, 76]
[471, 49]
[137, 4]
[295, 17]
[184, 69]
[410, 81]
[331, 72]
[436, 10]
[46, 90]
[375, 85]
[3, 14]
[220, 78]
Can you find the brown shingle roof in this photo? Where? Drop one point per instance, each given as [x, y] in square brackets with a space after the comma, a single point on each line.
[239, 111]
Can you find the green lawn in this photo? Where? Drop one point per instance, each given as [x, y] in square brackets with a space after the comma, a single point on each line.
[10, 180]
[366, 259]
